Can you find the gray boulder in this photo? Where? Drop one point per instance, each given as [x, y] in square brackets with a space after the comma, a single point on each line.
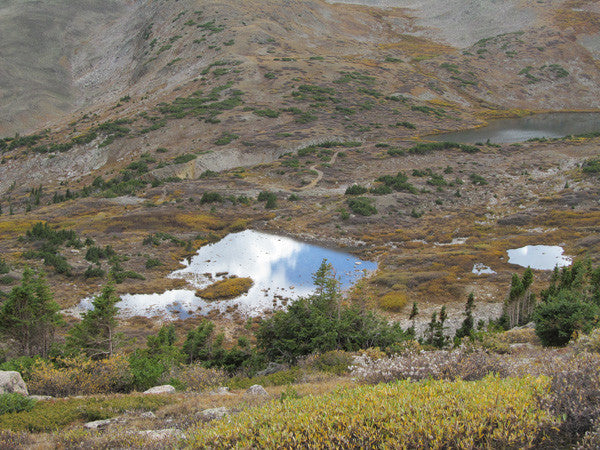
[165, 389]
[159, 435]
[214, 413]
[256, 391]
[98, 424]
[12, 383]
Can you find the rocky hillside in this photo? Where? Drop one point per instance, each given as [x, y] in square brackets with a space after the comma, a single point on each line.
[142, 104]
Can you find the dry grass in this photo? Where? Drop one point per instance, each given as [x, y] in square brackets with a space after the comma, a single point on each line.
[226, 289]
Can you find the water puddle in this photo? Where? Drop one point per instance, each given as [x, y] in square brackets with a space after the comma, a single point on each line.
[281, 268]
[508, 131]
[540, 257]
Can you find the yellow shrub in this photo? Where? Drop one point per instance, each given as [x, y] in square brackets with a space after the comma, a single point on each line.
[393, 301]
[224, 289]
[490, 413]
[80, 376]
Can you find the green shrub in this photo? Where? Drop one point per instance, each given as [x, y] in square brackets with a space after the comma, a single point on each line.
[557, 319]
[321, 323]
[14, 403]
[335, 361]
[94, 272]
[151, 263]
[398, 183]
[356, 189]
[424, 148]
[211, 197]
[591, 166]
[477, 179]
[4, 267]
[281, 378]
[361, 206]
[267, 113]
[61, 413]
[226, 138]
[381, 189]
[181, 159]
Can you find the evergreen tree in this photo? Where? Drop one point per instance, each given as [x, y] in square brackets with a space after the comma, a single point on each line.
[321, 322]
[520, 303]
[413, 315]
[466, 329]
[30, 316]
[202, 345]
[95, 334]
[439, 338]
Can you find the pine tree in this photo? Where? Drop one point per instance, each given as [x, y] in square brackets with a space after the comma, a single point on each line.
[95, 334]
[520, 303]
[439, 339]
[413, 315]
[466, 329]
[30, 315]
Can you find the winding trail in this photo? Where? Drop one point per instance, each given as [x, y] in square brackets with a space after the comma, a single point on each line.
[314, 182]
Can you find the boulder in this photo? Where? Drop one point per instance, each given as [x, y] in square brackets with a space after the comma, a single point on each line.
[41, 398]
[256, 391]
[214, 413]
[12, 383]
[159, 435]
[98, 424]
[165, 389]
[222, 390]
[272, 368]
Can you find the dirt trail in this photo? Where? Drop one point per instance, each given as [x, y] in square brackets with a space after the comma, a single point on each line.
[314, 182]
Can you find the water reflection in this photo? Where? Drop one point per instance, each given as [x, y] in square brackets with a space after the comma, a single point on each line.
[507, 131]
[280, 267]
[541, 257]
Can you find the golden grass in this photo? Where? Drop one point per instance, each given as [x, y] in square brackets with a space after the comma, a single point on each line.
[393, 301]
[419, 47]
[580, 21]
[226, 289]
[488, 413]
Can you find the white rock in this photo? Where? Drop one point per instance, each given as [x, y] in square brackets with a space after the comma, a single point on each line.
[214, 413]
[41, 398]
[158, 435]
[256, 391]
[98, 424]
[220, 391]
[12, 383]
[165, 389]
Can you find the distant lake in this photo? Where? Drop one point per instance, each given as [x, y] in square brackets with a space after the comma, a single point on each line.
[508, 131]
[282, 269]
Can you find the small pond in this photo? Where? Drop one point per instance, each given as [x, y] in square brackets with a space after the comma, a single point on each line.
[281, 268]
[508, 131]
[540, 257]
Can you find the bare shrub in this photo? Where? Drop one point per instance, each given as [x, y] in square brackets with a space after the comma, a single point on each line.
[575, 395]
[198, 378]
[10, 440]
[411, 365]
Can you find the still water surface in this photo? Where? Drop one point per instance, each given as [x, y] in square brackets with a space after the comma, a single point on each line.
[280, 267]
[508, 131]
[540, 257]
